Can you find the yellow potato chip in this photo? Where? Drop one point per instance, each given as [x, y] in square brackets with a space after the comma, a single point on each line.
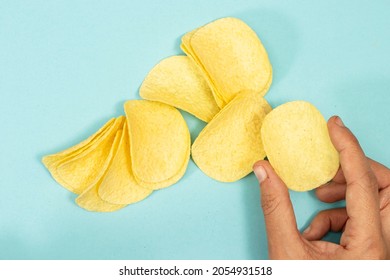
[185, 42]
[178, 82]
[159, 143]
[50, 160]
[89, 199]
[297, 143]
[118, 185]
[230, 144]
[76, 169]
[232, 58]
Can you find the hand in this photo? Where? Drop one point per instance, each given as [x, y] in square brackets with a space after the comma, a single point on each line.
[365, 222]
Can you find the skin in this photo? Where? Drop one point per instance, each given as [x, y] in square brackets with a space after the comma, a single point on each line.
[364, 184]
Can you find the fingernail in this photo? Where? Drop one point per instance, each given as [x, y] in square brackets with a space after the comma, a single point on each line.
[260, 173]
[306, 231]
[339, 122]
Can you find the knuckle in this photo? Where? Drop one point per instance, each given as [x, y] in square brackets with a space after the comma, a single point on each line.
[384, 198]
[366, 181]
[321, 217]
[323, 214]
[353, 142]
[269, 203]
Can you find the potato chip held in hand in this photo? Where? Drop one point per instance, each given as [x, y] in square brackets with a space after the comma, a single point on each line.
[178, 82]
[230, 144]
[232, 58]
[159, 143]
[297, 143]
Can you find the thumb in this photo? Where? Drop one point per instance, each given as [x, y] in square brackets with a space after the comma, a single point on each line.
[278, 212]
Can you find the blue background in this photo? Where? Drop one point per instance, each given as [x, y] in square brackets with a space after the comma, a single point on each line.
[66, 67]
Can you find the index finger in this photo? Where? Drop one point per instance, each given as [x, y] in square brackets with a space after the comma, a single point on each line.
[362, 201]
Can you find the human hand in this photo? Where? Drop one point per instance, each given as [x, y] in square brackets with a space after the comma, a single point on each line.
[365, 222]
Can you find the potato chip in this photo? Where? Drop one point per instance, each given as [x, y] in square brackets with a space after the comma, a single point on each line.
[297, 143]
[230, 144]
[82, 165]
[178, 82]
[89, 199]
[118, 185]
[49, 160]
[232, 58]
[159, 143]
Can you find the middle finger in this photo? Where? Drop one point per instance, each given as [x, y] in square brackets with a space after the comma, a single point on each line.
[331, 192]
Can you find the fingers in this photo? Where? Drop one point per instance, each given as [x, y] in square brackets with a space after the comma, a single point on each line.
[382, 173]
[277, 208]
[325, 221]
[362, 188]
[353, 162]
[335, 190]
[384, 199]
[339, 177]
[331, 192]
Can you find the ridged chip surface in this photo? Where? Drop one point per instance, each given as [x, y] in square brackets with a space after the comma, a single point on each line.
[297, 143]
[230, 144]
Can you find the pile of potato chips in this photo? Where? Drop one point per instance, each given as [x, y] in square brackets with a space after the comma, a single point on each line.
[221, 80]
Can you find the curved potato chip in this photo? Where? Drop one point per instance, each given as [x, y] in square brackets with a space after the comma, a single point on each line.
[118, 185]
[83, 167]
[56, 158]
[178, 82]
[230, 144]
[89, 199]
[232, 58]
[298, 146]
[159, 143]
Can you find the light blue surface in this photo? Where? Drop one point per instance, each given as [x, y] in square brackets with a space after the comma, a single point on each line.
[66, 67]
